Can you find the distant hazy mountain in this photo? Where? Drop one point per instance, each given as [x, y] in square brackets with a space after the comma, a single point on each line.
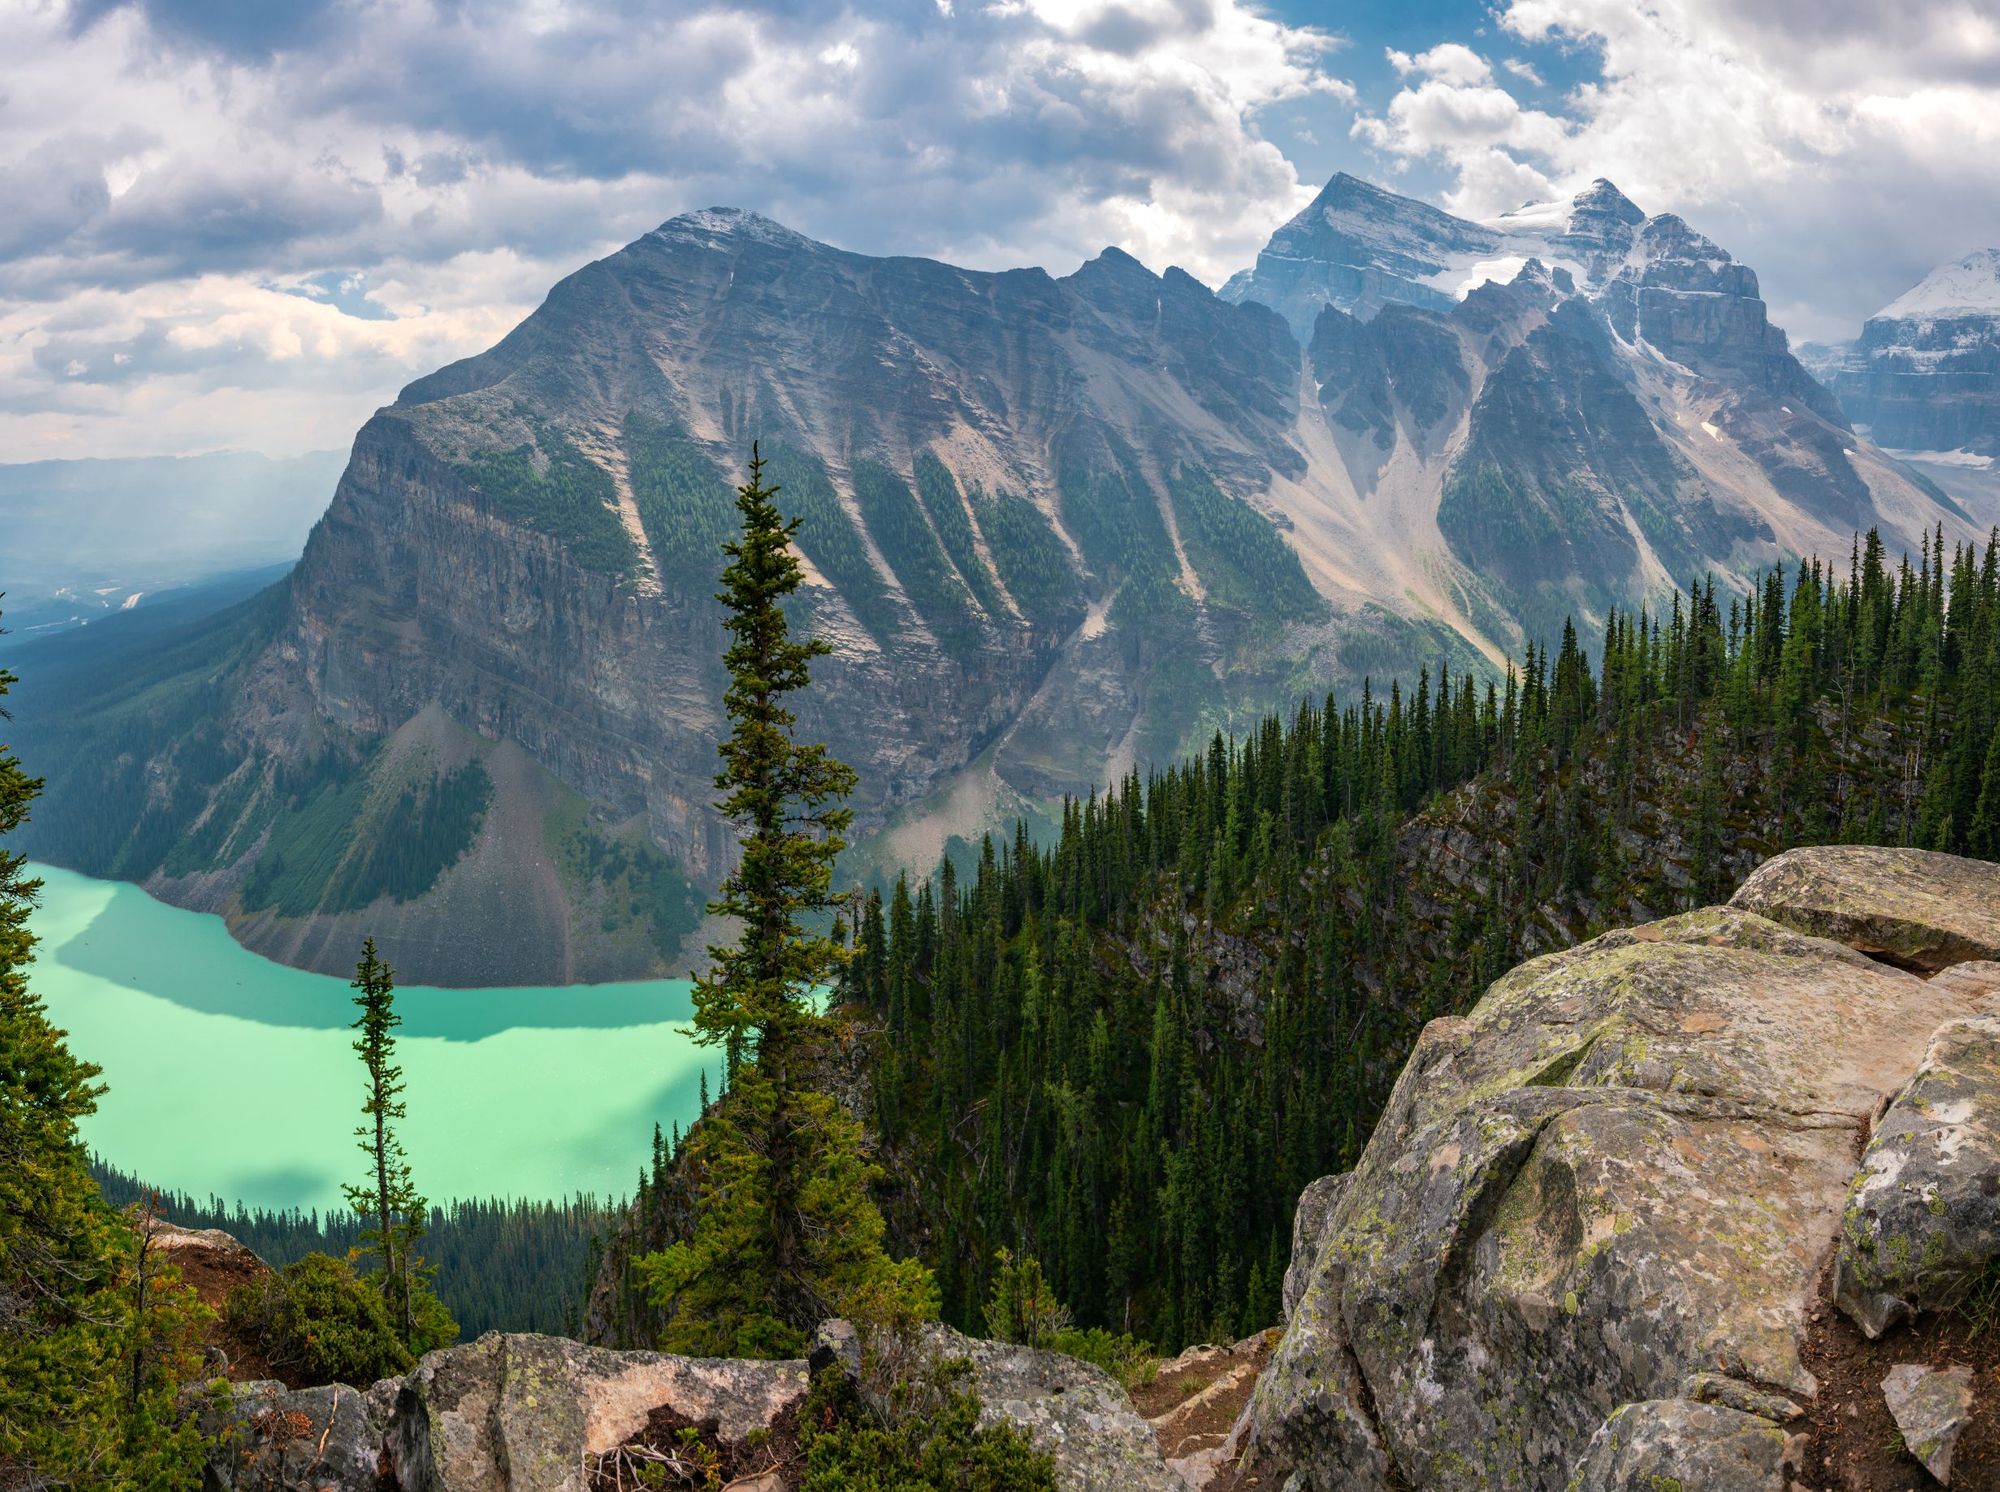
[1924, 377]
[1057, 528]
[87, 537]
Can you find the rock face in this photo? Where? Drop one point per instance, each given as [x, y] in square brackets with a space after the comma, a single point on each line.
[1586, 1240]
[522, 1413]
[1925, 374]
[267, 1438]
[1054, 528]
[1923, 1220]
[1918, 912]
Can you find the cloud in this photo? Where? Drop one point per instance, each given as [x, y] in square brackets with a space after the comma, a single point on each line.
[1448, 63]
[1450, 109]
[1525, 71]
[229, 165]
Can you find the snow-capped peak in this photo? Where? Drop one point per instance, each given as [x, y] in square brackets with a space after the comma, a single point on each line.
[1967, 287]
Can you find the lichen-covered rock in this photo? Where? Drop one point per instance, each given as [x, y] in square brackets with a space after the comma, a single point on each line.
[1923, 1220]
[1930, 1407]
[1916, 908]
[1076, 1413]
[1614, 1183]
[1309, 1220]
[1678, 1445]
[529, 1413]
[264, 1437]
[1309, 1414]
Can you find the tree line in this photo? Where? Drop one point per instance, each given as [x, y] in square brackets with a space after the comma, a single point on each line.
[1126, 1051]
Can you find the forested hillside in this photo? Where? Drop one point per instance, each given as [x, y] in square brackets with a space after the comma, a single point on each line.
[501, 1265]
[1127, 1052]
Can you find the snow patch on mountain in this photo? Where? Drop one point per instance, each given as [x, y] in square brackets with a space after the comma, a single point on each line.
[1967, 287]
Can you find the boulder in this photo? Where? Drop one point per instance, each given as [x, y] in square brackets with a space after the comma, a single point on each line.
[1077, 1414]
[1610, 1191]
[532, 1413]
[1677, 1443]
[1923, 1220]
[1913, 908]
[1930, 1407]
[264, 1437]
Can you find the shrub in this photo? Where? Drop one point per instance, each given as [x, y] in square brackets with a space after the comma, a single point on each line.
[1022, 1307]
[317, 1323]
[929, 1437]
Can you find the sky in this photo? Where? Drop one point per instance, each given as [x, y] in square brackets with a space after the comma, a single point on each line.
[243, 224]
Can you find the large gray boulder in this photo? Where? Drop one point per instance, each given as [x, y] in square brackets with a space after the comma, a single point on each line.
[1612, 1189]
[532, 1413]
[1920, 910]
[1076, 1414]
[1923, 1219]
[264, 1437]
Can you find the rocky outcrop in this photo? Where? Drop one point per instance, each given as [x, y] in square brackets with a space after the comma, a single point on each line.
[1588, 1240]
[1918, 912]
[1076, 1414]
[264, 1437]
[523, 1413]
[532, 1413]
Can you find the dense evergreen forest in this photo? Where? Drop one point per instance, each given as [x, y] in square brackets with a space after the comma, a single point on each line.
[511, 1266]
[1125, 1053]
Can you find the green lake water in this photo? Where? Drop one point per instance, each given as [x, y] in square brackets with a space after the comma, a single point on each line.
[234, 1076]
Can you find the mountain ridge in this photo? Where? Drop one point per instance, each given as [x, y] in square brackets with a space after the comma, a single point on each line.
[1057, 528]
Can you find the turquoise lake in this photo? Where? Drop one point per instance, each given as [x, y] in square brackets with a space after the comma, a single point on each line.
[234, 1076]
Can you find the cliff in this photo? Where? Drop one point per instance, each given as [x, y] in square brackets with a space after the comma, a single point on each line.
[1698, 1203]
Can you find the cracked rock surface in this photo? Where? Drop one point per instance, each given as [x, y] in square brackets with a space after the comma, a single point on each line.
[1590, 1228]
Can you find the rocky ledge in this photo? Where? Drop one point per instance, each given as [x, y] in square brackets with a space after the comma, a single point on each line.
[1593, 1240]
[524, 1413]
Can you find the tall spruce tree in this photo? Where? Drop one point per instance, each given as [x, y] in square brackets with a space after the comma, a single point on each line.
[785, 1232]
[388, 1198]
[88, 1363]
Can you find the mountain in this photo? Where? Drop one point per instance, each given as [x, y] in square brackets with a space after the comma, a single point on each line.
[1924, 376]
[86, 538]
[1568, 404]
[1057, 528]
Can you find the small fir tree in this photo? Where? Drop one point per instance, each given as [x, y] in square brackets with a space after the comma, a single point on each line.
[388, 1198]
[785, 1232]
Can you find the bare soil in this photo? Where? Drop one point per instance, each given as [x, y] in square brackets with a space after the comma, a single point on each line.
[1194, 1401]
[1851, 1441]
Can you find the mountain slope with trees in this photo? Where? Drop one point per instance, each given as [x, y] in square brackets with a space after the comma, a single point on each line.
[1125, 1053]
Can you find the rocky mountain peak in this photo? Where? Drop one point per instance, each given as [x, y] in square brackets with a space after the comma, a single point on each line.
[1602, 197]
[732, 222]
[1968, 287]
[1924, 376]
